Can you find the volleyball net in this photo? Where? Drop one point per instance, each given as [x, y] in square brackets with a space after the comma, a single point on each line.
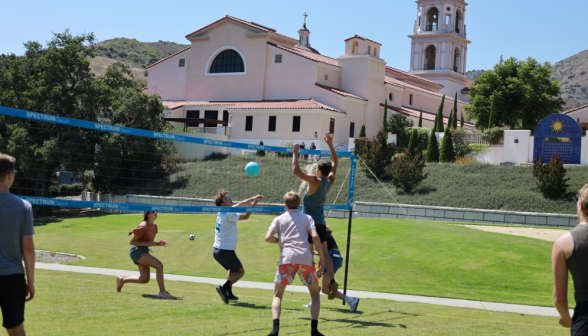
[64, 162]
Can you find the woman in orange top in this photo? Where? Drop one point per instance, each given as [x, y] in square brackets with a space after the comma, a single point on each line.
[144, 236]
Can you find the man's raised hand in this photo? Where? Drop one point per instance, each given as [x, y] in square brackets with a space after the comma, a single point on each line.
[296, 148]
[329, 138]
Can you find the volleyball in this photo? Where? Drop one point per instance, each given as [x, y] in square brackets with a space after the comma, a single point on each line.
[252, 169]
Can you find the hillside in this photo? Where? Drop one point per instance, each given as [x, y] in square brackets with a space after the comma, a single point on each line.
[473, 74]
[133, 52]
[572, 72]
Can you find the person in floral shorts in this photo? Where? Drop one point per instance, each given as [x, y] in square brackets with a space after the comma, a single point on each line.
[293, 228]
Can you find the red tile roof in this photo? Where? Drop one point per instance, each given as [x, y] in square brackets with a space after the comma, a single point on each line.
[250, 24]
[575, 109]
[362, 38]
[396, 82]
[144, 89]
[411, 112]
[307, 54]
[168, 57]
[338, 91]
[282, 104]
[418, 78]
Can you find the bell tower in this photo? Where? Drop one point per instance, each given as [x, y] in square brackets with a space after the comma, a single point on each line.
[304, 34]
[439, 44]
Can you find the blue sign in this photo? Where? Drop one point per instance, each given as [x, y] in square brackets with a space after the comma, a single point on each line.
[558, 134]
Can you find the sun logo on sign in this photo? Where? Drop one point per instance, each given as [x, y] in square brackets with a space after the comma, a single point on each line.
[557, 126]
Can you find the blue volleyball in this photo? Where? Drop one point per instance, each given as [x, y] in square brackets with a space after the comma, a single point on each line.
[252, 169]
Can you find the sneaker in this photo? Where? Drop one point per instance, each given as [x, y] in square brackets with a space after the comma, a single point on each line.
[222, 292]
[353, 303]
[231, 296]
[165, 295]
[309, 305]
[333, 287]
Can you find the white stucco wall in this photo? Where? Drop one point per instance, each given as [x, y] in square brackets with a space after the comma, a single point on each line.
[168, 79]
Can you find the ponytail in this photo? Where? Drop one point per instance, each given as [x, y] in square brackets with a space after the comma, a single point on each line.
[145, 218]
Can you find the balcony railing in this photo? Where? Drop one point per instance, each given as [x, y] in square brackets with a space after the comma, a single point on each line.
[430, 66]
[474, 139]
[209, 130]
[432, 27]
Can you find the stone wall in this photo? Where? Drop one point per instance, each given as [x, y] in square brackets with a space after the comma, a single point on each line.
[481, 216]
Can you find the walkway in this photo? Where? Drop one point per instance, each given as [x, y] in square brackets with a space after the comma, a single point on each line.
[501, 307]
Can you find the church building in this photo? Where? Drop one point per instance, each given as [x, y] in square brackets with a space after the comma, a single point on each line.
[272, 87]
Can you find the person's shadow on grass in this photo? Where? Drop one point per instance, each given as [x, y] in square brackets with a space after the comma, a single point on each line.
[154, 297]
[254, 306]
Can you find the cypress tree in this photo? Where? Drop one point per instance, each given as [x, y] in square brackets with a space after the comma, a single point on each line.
[362, 131]
[450, 122]
[454, 125]
[413, 142]
[260, 152]
[447, 154]
[462, 120]
[491, 120]
[421, 119]
[433, 149]
[440, 116]
[384, 126]
[434, 124]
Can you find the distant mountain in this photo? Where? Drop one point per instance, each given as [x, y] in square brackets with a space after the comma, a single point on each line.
[138, 55]
[473, 74]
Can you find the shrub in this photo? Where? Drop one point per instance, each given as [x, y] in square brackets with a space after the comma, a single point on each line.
[433, 149]
[463, 160]
[216, 156]
[550, 177]
[493, 135]
[397, 123]
[406, 172]
[403, 138]
[413, 143]
[66, 190]
[260, 152]
[362, 132]
[287, 144]
[377, 154]
[446, 154]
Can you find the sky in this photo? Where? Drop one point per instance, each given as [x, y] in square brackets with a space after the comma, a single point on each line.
[546, 30]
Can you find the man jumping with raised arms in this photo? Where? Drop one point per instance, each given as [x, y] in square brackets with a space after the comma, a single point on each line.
[315, 197]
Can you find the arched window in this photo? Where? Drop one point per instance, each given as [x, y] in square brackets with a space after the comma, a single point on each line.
[458, 21]
[432, 19]
[354, 47]
[430, 57]
[227, 61]
[456, 60]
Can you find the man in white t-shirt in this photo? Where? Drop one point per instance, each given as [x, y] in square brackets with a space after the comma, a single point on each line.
[225, 242]
[293, 228]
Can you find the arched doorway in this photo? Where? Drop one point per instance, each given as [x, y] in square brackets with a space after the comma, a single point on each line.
[432, 20]
[430, 57]
[456, 60]
[558, 134]
[458, 22]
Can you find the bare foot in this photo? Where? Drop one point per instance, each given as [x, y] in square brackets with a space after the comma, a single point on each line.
[119, 283]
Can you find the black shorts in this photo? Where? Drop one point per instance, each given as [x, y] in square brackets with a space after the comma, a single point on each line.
[228, 259]
[580, 320]
[13, 291]
[321, 230]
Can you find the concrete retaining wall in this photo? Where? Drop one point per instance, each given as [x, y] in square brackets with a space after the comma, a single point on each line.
[446, 214]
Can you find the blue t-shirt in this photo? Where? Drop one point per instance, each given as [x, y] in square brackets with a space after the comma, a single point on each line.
[313, 205]
[16, 221]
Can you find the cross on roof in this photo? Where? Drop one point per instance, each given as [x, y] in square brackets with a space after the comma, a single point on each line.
[305, 15]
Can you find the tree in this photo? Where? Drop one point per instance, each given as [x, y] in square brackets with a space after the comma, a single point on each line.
[56, 79]
[407, 170]
[447, 154]
[398, 122]
[435, 123]
[362, 131]
[414, 142]
[384, 126]
[440, 116]
[524, 91]
[377, 154]
[450, 121]
[260, 152]
[421, 119]
[433, 149]
[454, 125]
[491, 122]
[462, 119]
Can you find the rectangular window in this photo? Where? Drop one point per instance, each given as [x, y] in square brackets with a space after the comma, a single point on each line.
[332, 126]
[352, 130]
[182, 62]
[296, 124]
[447, 20]
[369, 50]
[376, 52]
[249, 123]
[211, 115]
[410, 100]
[272, 124]
[326, 77]
[278, 58]
[226, 116]
[193, 114]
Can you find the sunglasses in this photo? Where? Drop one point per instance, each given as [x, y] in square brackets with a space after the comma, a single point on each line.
[577, 197]
[228, 198]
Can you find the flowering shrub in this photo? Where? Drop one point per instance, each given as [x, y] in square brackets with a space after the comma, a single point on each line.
[551, 179]
[493, 135]
[406, 172]
[463, 160]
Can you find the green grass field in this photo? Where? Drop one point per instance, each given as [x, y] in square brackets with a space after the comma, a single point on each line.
[82, 304]
[387, 255]
[479, 186]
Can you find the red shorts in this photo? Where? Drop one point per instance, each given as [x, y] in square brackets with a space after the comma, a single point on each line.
[285, 274]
